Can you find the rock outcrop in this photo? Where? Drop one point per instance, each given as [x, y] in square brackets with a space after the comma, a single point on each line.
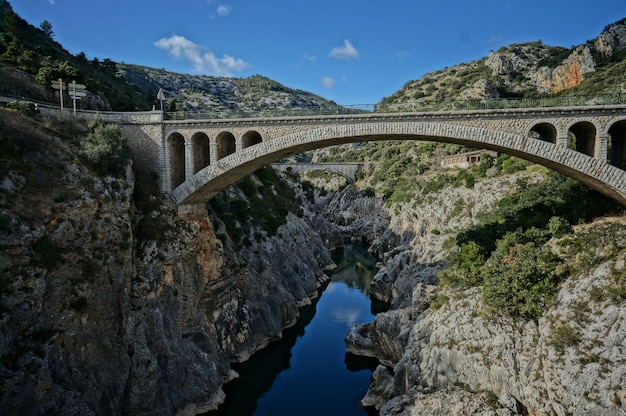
[111, 310]
[521, 69]
[529, 364]
[460, 359]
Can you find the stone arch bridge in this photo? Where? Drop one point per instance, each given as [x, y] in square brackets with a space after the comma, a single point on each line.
[196, 159]
[346, 170]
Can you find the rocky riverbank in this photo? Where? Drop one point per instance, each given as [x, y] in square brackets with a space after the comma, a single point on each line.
[460, 358]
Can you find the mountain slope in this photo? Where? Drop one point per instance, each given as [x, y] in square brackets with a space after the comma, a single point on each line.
[529, 69]
[222, 96]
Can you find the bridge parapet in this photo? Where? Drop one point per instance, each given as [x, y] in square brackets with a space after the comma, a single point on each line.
[195, 159]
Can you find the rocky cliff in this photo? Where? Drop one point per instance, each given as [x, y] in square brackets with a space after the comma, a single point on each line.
[528, 69]
[112, 309]
[461, 358]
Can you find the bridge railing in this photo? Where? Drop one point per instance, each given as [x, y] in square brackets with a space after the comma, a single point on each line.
[323, 110]
[459, 105]
[504, 103]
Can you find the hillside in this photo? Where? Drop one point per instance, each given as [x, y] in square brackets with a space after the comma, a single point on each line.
[31, 59]
[221, 96]
[530, 69]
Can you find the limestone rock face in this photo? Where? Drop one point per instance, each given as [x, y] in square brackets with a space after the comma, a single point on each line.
[107, 310]
[568, 74]
[481, 90]
[526, 367]
[409, 242]
[385, 338]
[66, 285]
[611, 40]
[456, 345]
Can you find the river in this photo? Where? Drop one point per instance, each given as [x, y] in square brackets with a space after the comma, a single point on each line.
[308, 371]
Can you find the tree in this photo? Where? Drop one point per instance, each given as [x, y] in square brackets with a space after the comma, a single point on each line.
[106, 149]
[46, 27]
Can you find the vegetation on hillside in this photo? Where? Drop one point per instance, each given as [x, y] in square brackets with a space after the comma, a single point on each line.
[516, 79]
[508, 252]
[34, 52]
[402, 171]
[259, 202]
[106, 149]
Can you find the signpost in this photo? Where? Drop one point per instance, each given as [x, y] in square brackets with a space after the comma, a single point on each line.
[59, 85]
[77, 91]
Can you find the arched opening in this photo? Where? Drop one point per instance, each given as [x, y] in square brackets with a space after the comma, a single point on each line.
[176, 148]
[225, 144]
[543, 131]
[617, 144]
[251, 138]
[201, 155]
[582, 138]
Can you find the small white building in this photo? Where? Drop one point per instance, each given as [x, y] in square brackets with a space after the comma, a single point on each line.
[465, 160]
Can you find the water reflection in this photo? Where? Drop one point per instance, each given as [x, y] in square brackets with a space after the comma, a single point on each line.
[355, 266]
[257, 375]
[308, 372]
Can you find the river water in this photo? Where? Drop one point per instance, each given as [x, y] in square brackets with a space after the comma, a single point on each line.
[308, 371]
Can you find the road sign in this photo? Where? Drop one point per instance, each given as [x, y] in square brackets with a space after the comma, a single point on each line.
[77, 86]
[161, 97]
[57, 86]
[77, 93]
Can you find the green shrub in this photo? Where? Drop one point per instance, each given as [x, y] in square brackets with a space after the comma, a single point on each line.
[25, 107]
[520, 280]
[265, 207]
[106, 150]
[564, 336]
[513, 164]
[466, 263]
[558, 227]
[438, 300]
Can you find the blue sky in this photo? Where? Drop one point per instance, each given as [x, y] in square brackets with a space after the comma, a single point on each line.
[352, 52]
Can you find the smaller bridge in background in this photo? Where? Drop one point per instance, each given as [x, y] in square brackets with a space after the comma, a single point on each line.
[347, 170]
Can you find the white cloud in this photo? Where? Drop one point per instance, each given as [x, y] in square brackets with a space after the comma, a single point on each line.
[347, 51]
[203, 60]
[496, 38]
[403, 55]
[347, 316]
[223, 10]
[328, 82]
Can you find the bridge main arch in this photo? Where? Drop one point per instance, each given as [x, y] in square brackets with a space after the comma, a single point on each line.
[216, 177]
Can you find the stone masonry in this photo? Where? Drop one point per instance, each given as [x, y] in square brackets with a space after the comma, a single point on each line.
[195, 159]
